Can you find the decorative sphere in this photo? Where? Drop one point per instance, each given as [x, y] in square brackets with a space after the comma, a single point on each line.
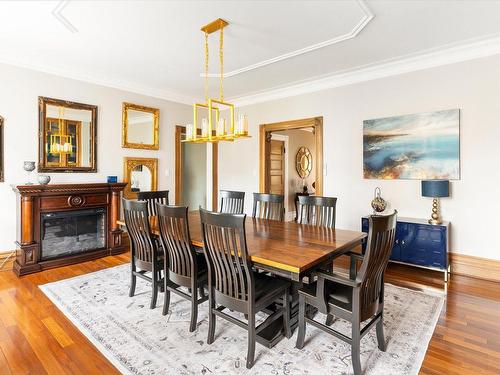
[29, 166]
[379, 204]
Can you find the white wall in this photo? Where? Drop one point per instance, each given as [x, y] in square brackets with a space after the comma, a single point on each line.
[472, 86]
[19, 91]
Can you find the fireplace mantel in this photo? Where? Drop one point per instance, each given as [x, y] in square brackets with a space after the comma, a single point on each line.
[35, 200]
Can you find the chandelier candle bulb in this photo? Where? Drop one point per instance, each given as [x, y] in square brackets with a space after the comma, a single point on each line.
[204, 127]
[220, 127]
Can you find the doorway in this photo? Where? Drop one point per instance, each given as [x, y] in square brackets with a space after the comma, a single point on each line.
[278, 172]
[195, 172]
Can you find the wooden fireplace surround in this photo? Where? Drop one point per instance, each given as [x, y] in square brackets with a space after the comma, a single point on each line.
[33, 200]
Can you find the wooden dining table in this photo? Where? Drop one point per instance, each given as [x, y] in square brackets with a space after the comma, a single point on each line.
[285, 249]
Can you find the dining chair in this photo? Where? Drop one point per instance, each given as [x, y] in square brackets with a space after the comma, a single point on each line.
[232, 283]
[269, 206]
[145, 256]
[232, 202]
[357, 298]
[184, 267]
[316, 210]
[152, 198]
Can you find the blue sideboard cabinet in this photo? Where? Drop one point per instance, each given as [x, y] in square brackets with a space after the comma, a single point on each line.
[419, 243]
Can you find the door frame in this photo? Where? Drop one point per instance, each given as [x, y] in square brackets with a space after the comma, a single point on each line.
[284, 138]
[179, 130]
[264, 137]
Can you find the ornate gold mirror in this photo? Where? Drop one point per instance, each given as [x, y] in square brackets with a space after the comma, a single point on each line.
[140, 127]
[1, 149]
[141, 174]
[67, 136]
[303, 162]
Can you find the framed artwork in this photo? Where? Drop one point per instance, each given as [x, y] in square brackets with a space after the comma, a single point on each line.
[421, 146]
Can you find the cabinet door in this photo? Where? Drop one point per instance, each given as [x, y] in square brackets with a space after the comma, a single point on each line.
[396, 250]
[424, 245]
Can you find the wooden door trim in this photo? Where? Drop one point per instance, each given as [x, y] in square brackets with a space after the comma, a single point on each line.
[316, 123]
[178, 173]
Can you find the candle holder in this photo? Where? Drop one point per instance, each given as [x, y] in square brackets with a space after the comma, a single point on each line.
[29, 166]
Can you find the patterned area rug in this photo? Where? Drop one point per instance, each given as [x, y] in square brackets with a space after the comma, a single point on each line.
[138, 340]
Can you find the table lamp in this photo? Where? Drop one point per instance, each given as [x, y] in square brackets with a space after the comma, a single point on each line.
[435, 189]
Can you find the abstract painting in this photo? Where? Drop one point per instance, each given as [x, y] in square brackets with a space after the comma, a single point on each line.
[420, 146]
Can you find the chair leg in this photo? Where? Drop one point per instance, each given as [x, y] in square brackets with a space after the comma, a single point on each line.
[211, 318]
[380, 334]
[201, 291]
[133, 280]
[329, 320]
[251, 340]
[302, 322]
[286, 314]
[166, 301]
[155, 288]
[194, 309]
[355, 347]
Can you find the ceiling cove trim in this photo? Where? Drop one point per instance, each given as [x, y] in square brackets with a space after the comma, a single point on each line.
[451, 54]
[367, 17]
[130, 87]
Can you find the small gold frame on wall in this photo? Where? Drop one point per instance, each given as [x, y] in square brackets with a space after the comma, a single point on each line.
[125, 127]
[129, 164]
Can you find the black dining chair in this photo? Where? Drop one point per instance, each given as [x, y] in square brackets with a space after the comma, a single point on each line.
[144, 254]
[269, 206]
[184, 267]
[318, 211]
[152, 198]
[232, 202]
[233, 284]
[357, 298]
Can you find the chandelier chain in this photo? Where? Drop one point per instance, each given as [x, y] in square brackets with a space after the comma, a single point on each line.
[221, 56]
[206, 67]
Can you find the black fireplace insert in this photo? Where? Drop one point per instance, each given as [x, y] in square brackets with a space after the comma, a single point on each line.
[72, 232]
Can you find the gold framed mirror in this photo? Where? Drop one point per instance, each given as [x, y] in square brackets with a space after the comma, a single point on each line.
[1, 149]
[67, 136]
[140, 127]
[303, 162]
[141, 174]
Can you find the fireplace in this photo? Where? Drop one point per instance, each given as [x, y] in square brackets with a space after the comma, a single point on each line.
[72, 232]
[67, 223]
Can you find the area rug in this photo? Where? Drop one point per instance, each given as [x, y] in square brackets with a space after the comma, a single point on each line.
[138, 340]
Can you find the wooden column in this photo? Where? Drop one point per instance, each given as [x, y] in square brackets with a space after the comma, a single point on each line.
[26, 220]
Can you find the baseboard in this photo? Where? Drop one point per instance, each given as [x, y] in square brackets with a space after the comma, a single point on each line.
[10, 260]
[480, 268]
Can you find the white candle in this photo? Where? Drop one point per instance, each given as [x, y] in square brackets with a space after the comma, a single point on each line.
[204, 128]
[220, 127]
[189, 132]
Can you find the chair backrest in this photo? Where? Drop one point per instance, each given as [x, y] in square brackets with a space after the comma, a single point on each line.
[229, 265]
[137, 222]
[152, 198]
[176, 241]
[316, 210]
[269, 206]
[232, 202]
[381, 234]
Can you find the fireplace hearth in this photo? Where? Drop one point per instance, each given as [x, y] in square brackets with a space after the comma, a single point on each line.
[65, 224]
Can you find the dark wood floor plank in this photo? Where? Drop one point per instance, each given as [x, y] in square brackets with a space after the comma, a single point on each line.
[36, 338]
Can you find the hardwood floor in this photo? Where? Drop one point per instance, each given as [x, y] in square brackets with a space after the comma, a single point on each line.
[36, 338]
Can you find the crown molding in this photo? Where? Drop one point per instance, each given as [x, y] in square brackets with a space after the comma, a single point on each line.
[449, 54]
[115, 84]
[367, 16]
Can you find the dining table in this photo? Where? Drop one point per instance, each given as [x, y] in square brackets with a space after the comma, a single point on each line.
[285, 249]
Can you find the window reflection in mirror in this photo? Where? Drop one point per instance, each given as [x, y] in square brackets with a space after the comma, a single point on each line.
[140, 179]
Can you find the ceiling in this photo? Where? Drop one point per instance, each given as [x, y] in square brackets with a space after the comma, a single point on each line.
[156, 47]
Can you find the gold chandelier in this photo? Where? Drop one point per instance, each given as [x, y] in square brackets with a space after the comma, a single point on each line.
[214, 127]
[61, 143]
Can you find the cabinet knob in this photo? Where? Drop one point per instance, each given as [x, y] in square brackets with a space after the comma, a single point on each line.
[402, 242]
[397, 241]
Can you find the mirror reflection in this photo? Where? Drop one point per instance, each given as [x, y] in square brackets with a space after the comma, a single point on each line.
[140, 175]
[140, 179]
[67, 136]
[140, 127]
